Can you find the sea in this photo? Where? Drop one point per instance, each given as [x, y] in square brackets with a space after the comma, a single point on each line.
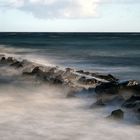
[29, 111]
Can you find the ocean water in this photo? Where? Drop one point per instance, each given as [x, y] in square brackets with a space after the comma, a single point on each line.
[116, 53]
[37, 111]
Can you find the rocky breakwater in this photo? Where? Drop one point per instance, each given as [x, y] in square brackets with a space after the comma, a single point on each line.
[56, 75]
[108, 88]
[126, 94]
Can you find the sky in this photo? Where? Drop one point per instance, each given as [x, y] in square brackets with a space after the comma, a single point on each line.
[70, 15]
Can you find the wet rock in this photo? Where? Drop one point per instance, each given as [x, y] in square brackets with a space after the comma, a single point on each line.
[3, 59]
[58, 80]
[84, 80]
[131, 85]
[116, 114]
[10, 60]
[83, 72]
[69, 70]
[80, 71]
[36, 70]
[108, 77]
[133, 102]
[17, 64]
[107, 88]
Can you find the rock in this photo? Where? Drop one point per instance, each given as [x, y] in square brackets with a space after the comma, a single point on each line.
[133, 102]
[69, 70]
[83, 72]
[80, 71]
[3, 59]
[117, 114]
[131, 85]
[10, 60]
[17, 64]
[107, 88]
[108, 77]
[35, 70]
[58, 80]
[84, 80]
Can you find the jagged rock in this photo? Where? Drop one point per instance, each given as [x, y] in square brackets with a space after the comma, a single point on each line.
[116, 114]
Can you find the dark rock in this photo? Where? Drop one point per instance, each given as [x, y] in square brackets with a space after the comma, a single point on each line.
[130, 86]
[17, 64]
[107, 88]
[3, 59]
[35, 70]
[108, 77]
[69, 70]
[117, 114]
[83, 72]
[58, 80]
[80, 71]
[10, 60]
[132, 102]
[84, 80]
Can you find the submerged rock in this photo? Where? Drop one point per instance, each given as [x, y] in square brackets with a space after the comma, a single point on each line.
[116, 114]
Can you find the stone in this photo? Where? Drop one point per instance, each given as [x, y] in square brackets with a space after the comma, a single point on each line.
[107, 88]
[132, 102]
[117, 114]
[17, 64]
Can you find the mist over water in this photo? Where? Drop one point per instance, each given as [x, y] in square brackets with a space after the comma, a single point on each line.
[43, 112]
[33, 110]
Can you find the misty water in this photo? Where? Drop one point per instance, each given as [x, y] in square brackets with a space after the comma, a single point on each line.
[33, 110]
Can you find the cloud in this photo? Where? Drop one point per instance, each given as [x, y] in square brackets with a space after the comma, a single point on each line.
[59, 8]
